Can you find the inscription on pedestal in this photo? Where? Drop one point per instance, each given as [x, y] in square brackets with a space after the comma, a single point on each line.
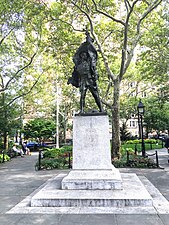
[91, 143]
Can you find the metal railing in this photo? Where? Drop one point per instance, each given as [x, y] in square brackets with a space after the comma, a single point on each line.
[156, 156]
[40, 156]
[147, 155]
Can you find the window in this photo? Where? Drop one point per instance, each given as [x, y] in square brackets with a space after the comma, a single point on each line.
[133, 123]
[132, 84]
[144, 94]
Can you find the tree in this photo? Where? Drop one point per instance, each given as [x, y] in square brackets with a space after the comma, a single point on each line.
[156, 115]
[39, 128]
[10, 118]
[153, 59]
[116, 36]
[124, 133]
[20, 44]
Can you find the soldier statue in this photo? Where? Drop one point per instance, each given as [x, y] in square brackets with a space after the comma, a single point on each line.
[85, 75]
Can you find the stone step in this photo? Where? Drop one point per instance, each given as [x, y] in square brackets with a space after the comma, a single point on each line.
[133, 194]
[92, 179]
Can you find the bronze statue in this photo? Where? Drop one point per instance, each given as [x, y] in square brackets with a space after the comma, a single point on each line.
[85, 74]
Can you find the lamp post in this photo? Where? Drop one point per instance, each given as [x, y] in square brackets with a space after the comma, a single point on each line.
[57, 114]
[140, 109]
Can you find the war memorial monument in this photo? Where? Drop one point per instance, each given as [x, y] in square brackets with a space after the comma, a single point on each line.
[93, 181]
[93, 185]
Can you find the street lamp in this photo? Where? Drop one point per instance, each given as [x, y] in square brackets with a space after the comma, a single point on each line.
[140, 109]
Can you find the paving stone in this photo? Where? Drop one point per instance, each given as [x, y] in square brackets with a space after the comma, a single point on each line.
[139, 220]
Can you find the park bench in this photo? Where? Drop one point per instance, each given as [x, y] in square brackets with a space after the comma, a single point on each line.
[11, 153]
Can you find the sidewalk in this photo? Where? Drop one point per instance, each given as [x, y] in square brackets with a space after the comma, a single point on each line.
[19, 179]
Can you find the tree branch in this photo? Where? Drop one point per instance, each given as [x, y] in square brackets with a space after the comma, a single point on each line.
[138, 36]
[25, 93]
[148, 11]
[124, 50]
[15, 75]
[107, 104]
[1, 41]
[127, 4]
[58, 19]
[107, 15]
[52, 18]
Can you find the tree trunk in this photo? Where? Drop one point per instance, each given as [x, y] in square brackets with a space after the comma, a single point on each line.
[116, 143]
[5, 137]
[65, 128]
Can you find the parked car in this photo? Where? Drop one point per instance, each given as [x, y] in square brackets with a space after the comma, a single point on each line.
[162, 137]
[34, 145]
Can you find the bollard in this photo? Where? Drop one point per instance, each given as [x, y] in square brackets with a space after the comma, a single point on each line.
[3, 156]
[135, 150]
[157, 163]
[127, 157]
[39, 160]
[162, 144]
[69, 160]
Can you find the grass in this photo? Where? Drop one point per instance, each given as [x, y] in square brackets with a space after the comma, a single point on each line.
[138, 146]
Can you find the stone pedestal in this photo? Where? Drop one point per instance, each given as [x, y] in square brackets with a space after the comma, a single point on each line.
[91, 143]
[92, 167]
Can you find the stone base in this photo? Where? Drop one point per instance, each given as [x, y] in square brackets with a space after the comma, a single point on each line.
[92, 168]
[91, 143]
[133, 194]
[92, 179]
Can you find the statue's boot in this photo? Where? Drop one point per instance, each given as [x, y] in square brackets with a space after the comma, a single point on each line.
[98, 102]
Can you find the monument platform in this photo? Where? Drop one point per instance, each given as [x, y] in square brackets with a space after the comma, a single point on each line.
[93, 180]
[133, 194]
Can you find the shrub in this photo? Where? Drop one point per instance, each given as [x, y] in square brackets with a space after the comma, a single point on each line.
[51, 153]
[67, 148]
[135, 161]
[55, 158]
[150, 141]
[133, 141]
[119, 163]
[50, 164]
[6, 158]
[56, 152]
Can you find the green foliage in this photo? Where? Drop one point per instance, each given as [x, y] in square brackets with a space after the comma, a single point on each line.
[55, 158]
[133, 141]
[51, 153]
[153, 60]
[10, 119]
[39, 128]
[150, 141]
[124, 150]
[150, 144]
[21, 26]
[157, 113]
[137, 141]
[6, 158]
[135, 161]
[56, 152]
[54, 163]
[67, 148]
[120, 163]
[124, 133]
[46, 35]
